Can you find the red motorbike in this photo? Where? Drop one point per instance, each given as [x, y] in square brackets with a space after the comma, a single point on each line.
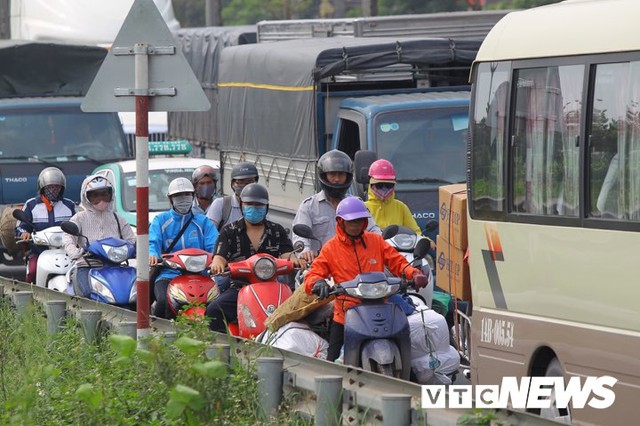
[262, 293]
[190, 292]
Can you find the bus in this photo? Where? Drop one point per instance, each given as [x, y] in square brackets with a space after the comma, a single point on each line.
[554, 201]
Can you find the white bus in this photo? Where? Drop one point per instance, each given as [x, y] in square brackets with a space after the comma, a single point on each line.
[554, 201]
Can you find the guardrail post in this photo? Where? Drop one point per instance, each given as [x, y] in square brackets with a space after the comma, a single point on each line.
[220, 352]
[1, 291]
[127, 328]
[269, 385]
[55, 310]
[169, 337]
[396, 409]
[329, 402]
[22, 300]
[89, 319]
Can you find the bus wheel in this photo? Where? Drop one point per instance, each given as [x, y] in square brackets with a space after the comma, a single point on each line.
[562, 415]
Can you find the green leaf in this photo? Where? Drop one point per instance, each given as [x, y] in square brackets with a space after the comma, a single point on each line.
[145, 355]
[175, 409]
[51, 371]
[89, 395]
[187, 396]
[211, 369]
[190, 346]
[123, 345]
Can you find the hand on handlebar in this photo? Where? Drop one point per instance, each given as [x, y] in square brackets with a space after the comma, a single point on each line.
[321, 289]
[298, 262]
[153, 260]
[25, 236]
[307, 255]
[218, 266]
[420, 280]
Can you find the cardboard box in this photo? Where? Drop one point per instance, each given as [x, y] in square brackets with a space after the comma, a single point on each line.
[453, 214]
[452, 272]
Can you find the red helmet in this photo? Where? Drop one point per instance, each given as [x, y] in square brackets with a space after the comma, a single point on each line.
[382, 170]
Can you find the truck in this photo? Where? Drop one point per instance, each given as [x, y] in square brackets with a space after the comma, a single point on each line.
[457, 25]
[287, 103]
[42, 125]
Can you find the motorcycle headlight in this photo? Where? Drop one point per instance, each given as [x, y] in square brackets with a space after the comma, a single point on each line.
[194, 263]
[264, 268]
[247, 317]
[405, 241]
[40, 240]
[373, 290]
[116, 254]
[55, 239]
[133, 294]
[102, 290]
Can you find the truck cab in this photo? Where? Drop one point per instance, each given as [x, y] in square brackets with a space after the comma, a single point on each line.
[423, 135]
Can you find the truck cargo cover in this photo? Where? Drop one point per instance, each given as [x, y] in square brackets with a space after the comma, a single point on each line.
[201, 48]
[47, 69]
[268, 90]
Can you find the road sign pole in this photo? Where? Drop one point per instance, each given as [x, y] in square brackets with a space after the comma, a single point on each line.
[141, 65]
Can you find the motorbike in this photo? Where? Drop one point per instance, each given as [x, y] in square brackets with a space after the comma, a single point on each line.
[190, 292]
[404, 240]
[376, 332]
[53, 262]
[111, 279]
[261, 293]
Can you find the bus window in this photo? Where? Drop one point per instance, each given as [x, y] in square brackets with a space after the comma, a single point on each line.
[488, 129]
[614, 151]
[545, 157]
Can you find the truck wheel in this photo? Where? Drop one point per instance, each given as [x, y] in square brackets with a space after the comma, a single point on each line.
[561, 415]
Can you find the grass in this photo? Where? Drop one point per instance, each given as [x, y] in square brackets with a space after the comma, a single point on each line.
[61, 380]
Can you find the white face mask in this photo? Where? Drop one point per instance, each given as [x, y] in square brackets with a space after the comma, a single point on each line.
[101, 206]
[182, 204]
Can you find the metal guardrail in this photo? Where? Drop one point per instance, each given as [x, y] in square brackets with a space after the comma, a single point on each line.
[365, 395]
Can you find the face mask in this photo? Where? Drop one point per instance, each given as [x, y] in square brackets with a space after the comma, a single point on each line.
[182, 204]
[51, 193]
[238, 190]
[335, 193]
[205, 191]
[101, 205]
[382, 192]
[254, 214]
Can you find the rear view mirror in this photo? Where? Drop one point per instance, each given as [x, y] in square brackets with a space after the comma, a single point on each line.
[390, 231]
[362, 161]
[302, 230]
[20, 215]
[70, 228]
[432, 225]
[421, 249]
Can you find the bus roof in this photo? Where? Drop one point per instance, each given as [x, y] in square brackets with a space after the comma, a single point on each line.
[572, 27]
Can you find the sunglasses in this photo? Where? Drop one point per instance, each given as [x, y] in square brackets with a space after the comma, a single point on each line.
[384, 185]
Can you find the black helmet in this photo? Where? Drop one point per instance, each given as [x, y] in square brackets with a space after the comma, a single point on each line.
[244, 170]
[202, 172]
[254, 193]
[335, 161]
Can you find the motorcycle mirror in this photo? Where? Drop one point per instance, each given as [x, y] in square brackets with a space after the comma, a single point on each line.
[390, 231]
[298, 247]
[70, 228]
[432, 225]
[304, 231]
[20, 215]
[421, 249]
[362, 161]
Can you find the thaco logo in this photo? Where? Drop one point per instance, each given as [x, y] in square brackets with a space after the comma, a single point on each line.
[525, 393]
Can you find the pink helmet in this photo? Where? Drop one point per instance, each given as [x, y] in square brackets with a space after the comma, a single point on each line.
[382, 170]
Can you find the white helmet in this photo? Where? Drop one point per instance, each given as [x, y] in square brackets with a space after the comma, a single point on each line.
[179, 185]
[98, 183]
[51, 176]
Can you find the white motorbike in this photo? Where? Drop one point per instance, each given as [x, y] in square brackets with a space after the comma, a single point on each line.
[405, 240]
[53, 262]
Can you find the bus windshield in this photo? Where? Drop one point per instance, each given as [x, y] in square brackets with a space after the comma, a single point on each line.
[427, 146]
[60, 134]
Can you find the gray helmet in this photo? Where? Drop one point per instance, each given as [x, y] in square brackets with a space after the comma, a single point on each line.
[179, 185]
[335, 161]
[255, 193]
[51, 176]
[202, 172]
[244, 170]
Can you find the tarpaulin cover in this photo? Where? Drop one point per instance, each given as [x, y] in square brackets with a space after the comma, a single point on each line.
[202, 47]
[268, 90]
[46, 69]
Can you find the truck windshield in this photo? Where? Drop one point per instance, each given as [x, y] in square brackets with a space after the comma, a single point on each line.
[59, 135]
[426, 146]
[158, 187]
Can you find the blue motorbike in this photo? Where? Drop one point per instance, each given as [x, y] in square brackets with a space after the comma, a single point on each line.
[108, 279]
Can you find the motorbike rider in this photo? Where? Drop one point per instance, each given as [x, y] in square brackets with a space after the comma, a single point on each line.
[98, 220]
[249, 235]
[350, 252]
[335, 173]
[176, 229]
[204, 180]
[226, 209]
[45, 210]
[381, 201]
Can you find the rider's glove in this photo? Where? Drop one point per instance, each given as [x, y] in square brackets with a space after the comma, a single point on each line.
[420, 281]
[321, 289]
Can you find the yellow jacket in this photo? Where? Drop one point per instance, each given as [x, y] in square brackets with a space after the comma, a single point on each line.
[391, 212]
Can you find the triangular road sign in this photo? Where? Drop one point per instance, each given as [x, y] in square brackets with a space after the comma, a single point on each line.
[172, 84]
